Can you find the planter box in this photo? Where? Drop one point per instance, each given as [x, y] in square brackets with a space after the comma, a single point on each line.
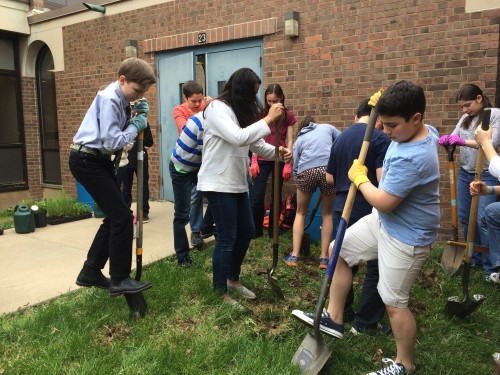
[62, 220]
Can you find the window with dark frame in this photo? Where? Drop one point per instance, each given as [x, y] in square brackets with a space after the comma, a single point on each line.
[47, 110]
[14, 174]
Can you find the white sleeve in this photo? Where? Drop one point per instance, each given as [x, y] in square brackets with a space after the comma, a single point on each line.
[494, 167]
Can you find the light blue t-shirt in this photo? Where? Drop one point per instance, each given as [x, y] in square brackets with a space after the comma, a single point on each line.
[411, 172]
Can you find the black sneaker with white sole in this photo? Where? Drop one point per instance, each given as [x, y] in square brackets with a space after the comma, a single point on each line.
[326, 324]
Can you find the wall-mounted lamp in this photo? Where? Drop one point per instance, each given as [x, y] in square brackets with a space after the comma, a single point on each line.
[95, 8]
[131, 48]
[292, 24]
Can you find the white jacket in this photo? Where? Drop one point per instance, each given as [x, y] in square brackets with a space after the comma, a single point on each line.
[225, 161]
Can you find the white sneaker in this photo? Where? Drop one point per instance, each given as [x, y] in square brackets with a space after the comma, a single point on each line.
[245, 292]
[495, 277]
[234, 304]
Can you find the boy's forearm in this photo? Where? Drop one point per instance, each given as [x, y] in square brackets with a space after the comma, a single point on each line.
[378, 198]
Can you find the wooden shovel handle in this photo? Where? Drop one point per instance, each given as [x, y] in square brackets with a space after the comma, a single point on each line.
[471, 230]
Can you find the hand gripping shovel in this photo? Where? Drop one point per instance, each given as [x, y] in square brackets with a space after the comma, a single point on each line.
[276, 218]
[452, 255]
[313, 353]
[453, 306]
[136, 301]
[305, 244]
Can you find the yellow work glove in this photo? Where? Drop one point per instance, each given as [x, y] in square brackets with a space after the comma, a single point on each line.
[358, 173]
[375, 97]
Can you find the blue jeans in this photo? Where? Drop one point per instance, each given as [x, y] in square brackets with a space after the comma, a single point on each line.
[259, 195]
[196, 212]
[371, 307]
[234, 223]
[464, 200]
[492, 218]
[182, 184]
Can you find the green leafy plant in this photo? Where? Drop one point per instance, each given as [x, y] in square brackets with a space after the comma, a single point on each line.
[60, 207]
[63, 206]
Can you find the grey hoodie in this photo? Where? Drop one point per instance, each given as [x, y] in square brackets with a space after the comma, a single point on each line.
[312, 147]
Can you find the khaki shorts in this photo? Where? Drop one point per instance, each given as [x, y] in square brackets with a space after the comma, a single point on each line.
[399, 264]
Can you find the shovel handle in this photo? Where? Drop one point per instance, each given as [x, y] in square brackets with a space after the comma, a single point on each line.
[471, 230]
[339, 237]
[140, 197]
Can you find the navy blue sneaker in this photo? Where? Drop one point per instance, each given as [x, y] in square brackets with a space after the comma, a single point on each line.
[326, 324]
[372, 330]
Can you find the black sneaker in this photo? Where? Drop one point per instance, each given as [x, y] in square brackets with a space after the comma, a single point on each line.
[187, 262]
[145, 218]
[196, 239]
[89, 277]
[326, 324]
[209, 231]
[127, 286]
[371, 330]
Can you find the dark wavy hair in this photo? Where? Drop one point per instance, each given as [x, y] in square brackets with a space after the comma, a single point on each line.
[470, 91]
[403, 99]
[239, 94]
[278, 91]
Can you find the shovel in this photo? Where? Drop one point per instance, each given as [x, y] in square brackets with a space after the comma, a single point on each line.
[276, 218]
[136, 301]
[305, 244]
[452, 255]
[313, 353]
[453, 306]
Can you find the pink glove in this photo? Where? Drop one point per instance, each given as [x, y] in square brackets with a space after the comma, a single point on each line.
[443, 141]
[456, 140]
[287, 172]
[254, 167]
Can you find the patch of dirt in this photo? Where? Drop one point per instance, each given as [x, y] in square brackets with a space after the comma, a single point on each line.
[186, 324]
[417, 307]
[428, 278]
[109, 333]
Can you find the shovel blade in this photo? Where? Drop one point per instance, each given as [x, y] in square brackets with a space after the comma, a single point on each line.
[137, 305]
[452, 258]
[463, 309]
[274, 284]
[311, 355]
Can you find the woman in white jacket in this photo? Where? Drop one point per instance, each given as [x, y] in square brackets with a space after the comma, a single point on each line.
[232, 128]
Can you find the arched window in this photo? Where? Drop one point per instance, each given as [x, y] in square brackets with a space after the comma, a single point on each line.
[47, 110]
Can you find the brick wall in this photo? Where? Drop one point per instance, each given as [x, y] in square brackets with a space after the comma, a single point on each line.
[344, 53]
[32, 137]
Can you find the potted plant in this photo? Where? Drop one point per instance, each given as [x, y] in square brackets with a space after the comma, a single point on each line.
[64, 209]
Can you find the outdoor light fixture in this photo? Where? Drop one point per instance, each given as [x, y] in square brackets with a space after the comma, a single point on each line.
[292, 24]
[95, 8]
[131, 48]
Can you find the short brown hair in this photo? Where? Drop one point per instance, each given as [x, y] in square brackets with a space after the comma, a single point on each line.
[189, 88]
[137, 71]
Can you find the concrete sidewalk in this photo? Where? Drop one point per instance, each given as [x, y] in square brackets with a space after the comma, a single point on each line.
[44, 264]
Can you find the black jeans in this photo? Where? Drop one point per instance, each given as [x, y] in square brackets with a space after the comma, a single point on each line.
[114, 238]
[371, 307]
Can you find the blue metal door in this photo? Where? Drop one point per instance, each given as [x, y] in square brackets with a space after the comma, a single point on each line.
[175, 68]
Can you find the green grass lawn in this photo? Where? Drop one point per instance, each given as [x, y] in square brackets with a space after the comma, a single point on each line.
[188, 331]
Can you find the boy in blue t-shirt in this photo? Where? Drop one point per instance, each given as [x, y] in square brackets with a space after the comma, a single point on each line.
[401, 229]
